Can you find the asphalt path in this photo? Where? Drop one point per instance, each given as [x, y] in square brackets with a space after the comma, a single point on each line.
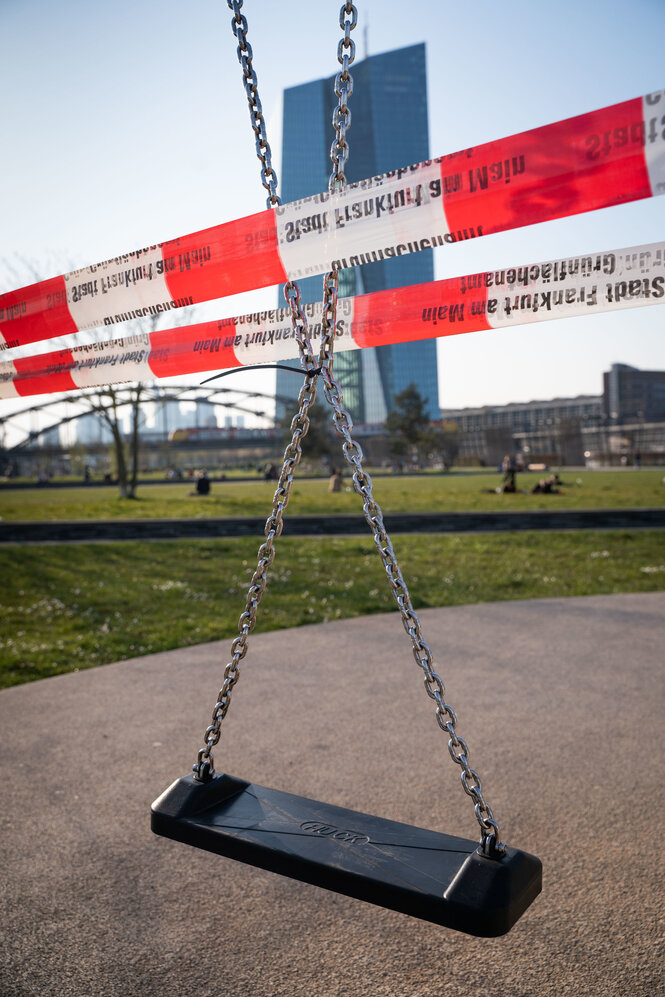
[90, 530]
[561, 702]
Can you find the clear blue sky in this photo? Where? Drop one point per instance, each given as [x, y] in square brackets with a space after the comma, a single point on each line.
[125, 124]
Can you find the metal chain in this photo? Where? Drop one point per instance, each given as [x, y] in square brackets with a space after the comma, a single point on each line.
[362, 483]
[346, 53]
[204, 767]
[245, 56]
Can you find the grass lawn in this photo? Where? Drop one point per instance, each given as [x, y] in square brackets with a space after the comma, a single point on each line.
[68, 607]
[457, 491]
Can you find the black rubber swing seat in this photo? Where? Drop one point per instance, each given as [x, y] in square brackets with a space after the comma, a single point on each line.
[422, 873]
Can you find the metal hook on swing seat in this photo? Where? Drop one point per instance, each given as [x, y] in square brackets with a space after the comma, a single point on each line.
[204, 769]
[491, 847]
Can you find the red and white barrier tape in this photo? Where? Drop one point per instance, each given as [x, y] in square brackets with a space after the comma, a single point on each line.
[605, 157]
[580, 285]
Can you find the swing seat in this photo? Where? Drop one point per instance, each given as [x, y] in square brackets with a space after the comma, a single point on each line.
[422, 873]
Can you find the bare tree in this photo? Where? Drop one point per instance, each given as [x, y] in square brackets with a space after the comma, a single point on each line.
[106, 402]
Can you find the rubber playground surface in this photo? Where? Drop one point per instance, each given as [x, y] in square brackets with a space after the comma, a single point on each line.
[560, 701]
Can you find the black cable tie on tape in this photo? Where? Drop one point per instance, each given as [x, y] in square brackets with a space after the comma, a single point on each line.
[263, 366]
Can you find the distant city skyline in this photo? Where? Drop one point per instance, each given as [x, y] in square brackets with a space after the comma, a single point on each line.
[622, 386]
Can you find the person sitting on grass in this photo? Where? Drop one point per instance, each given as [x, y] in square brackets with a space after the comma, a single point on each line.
[546, 486]
[202, 483]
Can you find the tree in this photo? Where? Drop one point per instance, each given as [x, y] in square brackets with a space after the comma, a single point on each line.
[106, 402]
[407, 422]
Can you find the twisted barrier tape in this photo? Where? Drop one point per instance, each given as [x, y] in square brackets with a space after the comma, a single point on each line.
[537, 292]
[605, 157]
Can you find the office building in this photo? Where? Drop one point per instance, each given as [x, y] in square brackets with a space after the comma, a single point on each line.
[628, 418]
[632, 395]
[541, 427]
[167, 416]
[206, 414]
[389, 129]
[526, 417]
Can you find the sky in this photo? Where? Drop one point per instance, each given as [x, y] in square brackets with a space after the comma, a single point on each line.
[126, 124]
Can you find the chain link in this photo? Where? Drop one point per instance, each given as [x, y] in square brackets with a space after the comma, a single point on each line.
[245, 56]
[346, 53]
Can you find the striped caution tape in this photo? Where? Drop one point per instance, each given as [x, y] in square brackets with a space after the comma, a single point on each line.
[496, 299]
[605, 157]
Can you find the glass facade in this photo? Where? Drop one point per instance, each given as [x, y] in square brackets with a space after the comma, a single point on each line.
[388, 129]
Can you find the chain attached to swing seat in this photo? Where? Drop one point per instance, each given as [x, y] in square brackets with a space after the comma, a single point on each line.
[204, 767]
[490, 843]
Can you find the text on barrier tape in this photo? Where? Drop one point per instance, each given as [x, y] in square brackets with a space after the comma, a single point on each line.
[605, 157]
[580, 285]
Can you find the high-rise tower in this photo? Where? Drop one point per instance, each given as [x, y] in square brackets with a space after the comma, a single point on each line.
[388, 129]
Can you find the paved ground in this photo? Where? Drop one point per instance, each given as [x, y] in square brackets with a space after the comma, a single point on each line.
[561, 702]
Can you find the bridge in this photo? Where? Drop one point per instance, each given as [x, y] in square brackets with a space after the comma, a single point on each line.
[42, 448]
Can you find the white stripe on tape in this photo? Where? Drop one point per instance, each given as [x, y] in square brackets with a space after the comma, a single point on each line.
[7, 375]
[116, 288]
[120, 362]
[372, 220]
[600, 282]
[654, 138]
[271, 338]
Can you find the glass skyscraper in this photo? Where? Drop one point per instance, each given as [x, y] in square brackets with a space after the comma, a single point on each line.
[388, 129]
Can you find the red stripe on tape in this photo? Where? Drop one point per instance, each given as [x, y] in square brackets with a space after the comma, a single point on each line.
[36, 312]
[588, 162]
[29, 381]
[238, 256]
[192, 350]
[406, 314]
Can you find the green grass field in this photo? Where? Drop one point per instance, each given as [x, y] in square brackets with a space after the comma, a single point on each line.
[69, 607]
[457, 491]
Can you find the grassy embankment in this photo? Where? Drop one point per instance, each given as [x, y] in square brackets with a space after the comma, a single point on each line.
[68, 607]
